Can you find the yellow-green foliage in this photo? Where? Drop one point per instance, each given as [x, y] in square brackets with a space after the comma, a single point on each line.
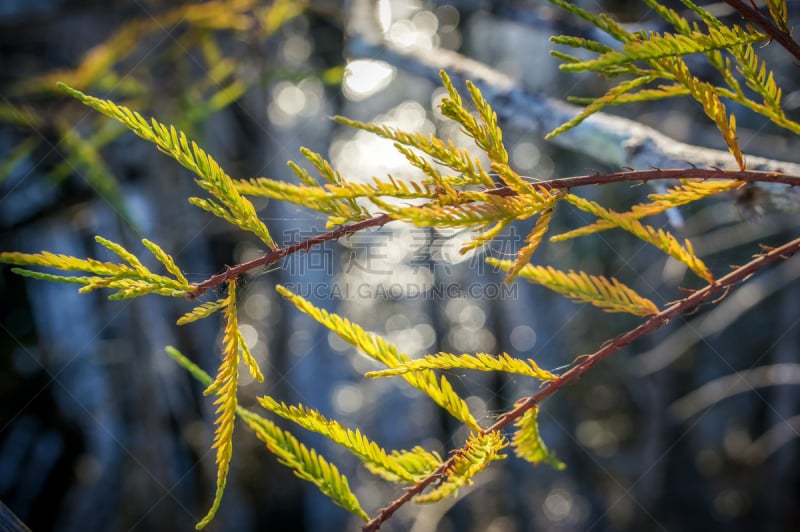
[779, 12]
[416, 461]
[477, 453]
[225, 388]
[451, 190]
[479, 361]
[532, 241]
[126, 62]
[468, 169]
[202, 311]
[377, 460]
[687, 192]
[227, 203]
[305, 462]
[651, 57]
[657, 237]
[379, 349]
[528, 444]
[450, 202]
[129, 280]
[607, 294]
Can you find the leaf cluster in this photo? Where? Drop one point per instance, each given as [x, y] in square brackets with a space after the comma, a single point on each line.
[465, 198]
[657, 62]
[453, 190]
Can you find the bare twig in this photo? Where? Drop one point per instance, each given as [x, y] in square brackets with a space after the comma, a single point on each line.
[773, 439]
[740, 382]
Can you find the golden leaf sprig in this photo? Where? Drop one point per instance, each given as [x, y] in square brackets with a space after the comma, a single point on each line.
[690, 190]
[468, 169]
[379, 349]
[649, 56]
[704, 93]
[479, 361]
[528, 444]
[306, 463]
[375, 458]
[533, 239]
[780, 13]
[320, 197]
[659, 238]
[227, 203]
[652, 45]
[479, 451]
[129, 279]
[613, 96]
[225, 387]
[202, 311]
[417, 461]
[606, 293]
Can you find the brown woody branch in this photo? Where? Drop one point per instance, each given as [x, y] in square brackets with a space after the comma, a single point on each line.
[749, 12]
[232, 272]
[551, 184]
[588, 361]
[656, 173]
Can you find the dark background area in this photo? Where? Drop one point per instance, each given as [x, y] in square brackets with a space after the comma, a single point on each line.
[100, 430]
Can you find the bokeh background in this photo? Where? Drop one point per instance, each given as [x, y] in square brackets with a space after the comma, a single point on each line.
[692, 428]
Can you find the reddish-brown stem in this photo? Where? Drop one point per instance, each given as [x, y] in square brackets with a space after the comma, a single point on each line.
[588, 361]
[551, 184]
[278, 254]
[656, 174]
[748, 12]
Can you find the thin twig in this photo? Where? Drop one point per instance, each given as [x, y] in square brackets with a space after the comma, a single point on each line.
[551, 184]
[765, 23]
[656, 174]
[278, 254]
[588, 361]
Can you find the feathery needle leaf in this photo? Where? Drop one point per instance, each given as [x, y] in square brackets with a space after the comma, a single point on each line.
[607, 294]
[225, 388]
[479, 361]
[474, 457]
[528, 444]
[232, 206]
[659, 238]
[307, 464]
[377, 460]
[379, 349]
[129, 280]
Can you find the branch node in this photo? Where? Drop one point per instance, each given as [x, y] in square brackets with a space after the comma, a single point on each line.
[724, 294]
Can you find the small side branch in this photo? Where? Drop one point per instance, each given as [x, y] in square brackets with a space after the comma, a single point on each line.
[589, 361]
[748, 12]
[278, 254]
[550, 184]
[656, 174]
[676, 309]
